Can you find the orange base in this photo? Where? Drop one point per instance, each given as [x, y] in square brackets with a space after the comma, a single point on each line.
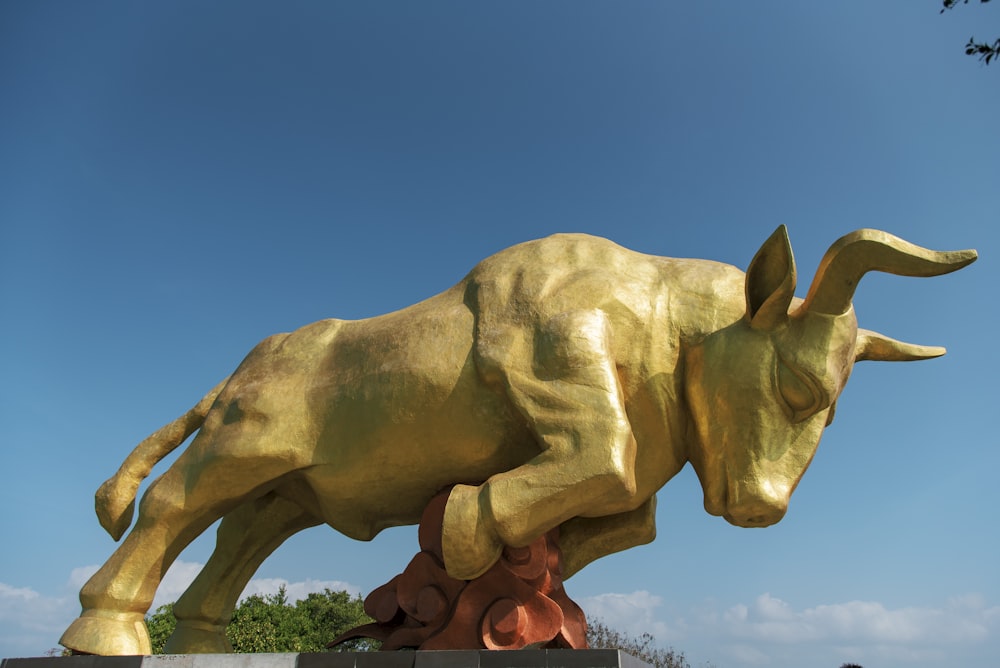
[520, 602]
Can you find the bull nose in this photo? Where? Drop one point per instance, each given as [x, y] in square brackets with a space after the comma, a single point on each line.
[760, 513]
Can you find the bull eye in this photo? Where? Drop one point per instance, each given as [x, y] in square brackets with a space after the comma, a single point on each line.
[798, 392]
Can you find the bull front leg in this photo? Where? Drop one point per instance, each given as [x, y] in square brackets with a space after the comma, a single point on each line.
[562, 379]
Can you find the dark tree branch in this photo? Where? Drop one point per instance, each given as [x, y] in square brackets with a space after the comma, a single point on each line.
[984, 50]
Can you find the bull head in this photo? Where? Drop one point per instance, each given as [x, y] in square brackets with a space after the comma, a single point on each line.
[761, 391]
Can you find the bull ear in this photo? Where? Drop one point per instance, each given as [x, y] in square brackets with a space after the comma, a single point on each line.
[770, 282]
[880, 348]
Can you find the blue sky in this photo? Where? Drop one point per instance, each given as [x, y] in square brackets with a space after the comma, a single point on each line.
[179, 180]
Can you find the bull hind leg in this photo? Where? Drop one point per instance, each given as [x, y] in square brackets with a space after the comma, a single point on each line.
[214, 476]
[246, 537]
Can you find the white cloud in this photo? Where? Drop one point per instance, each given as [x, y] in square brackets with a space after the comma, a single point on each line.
[770, 631]
[79, 576]
[179, 576]
[31, 622]
[297, 590]
[23, 593]
[960, 621]
[767, 631]
[633, 613]
[182, 573]
[615, 606]
[27, 608]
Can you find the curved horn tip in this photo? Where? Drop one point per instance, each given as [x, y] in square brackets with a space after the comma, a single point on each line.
[880, 348]
[930, 352]
[967, 257]
[864, 250]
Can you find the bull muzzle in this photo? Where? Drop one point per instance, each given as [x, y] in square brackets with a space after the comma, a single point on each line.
[758, 510]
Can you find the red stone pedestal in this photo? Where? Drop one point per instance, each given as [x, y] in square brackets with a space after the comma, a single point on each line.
[518, 603]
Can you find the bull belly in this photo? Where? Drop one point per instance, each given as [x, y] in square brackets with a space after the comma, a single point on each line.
[391, 477]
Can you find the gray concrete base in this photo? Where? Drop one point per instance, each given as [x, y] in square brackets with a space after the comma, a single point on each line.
[524, 658]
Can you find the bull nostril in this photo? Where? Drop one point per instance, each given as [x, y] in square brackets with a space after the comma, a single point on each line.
[757, 519]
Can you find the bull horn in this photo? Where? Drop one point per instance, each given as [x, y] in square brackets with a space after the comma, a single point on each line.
[859, 252]
[880, 348]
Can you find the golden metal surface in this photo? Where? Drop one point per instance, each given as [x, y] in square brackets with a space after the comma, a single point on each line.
[561, 383]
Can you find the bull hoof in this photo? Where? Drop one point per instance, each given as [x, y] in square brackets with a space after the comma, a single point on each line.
[192, 637]
[469, 542]
[108, 634]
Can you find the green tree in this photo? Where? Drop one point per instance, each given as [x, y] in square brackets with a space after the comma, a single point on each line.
[270, 623]
[161, 624]
[984, 50]
[602, 636]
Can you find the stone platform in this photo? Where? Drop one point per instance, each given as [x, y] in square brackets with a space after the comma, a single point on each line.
[525, 658]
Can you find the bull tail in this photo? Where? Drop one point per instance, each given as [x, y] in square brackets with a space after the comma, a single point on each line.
[115, 499]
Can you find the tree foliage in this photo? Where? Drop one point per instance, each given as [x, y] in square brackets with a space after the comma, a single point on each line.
[161, 624]
[602, 636]
[984, 50]
[270, 623]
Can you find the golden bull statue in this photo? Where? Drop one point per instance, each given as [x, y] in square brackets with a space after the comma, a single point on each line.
[560, 384]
